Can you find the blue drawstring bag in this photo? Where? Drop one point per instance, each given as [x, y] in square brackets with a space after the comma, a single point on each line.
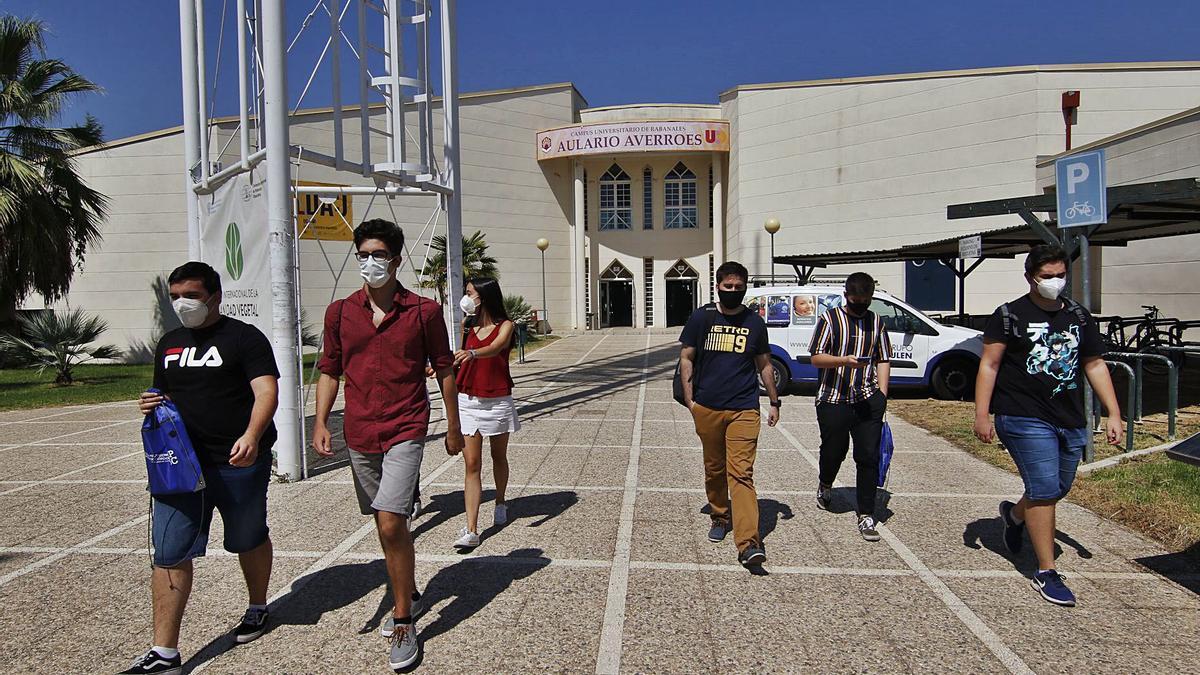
[171, 463]
[885, 453]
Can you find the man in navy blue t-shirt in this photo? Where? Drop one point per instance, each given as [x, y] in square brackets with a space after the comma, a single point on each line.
[724, 355]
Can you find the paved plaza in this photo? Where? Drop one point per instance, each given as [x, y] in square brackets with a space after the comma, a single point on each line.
[604, 565]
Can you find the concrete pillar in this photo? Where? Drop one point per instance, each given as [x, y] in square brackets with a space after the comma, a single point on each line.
[718, 224]
[579, 250]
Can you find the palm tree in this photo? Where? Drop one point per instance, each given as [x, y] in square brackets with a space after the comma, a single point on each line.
[48, 215]
[59, 341]
[476, 263]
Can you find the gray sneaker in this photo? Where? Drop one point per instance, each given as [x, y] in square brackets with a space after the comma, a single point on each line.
[418, 608]
[404, 647]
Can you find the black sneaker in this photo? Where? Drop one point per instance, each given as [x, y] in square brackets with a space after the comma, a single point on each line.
[1014, 533]
[824, 497]
[866, 527]
[718, 531]
[253, 625]
[154, 663]
[752, 556]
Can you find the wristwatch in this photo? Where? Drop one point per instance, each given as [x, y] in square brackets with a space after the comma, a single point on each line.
[777, 403]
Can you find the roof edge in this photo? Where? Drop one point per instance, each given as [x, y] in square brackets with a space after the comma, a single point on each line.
[712, 106]
[1122, 135]
[940, 74]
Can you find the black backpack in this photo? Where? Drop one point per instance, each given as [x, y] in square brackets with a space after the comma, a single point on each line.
[677, 384]
[1013, 332]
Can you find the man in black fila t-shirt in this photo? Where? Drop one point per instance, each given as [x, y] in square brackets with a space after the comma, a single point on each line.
[1035, 350]
[221, 375]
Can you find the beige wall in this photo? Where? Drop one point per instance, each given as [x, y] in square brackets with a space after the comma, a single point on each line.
[507, 195]
[873, 164]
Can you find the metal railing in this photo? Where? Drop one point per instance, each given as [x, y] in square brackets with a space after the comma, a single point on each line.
[1137, 375]
[1133, 393]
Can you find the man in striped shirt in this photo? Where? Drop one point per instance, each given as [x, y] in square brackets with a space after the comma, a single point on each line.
[850, 346]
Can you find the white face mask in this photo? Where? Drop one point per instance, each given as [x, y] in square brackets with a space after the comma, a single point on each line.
[1051, 288]
[191, 312]
[375, 272]
[467, 305]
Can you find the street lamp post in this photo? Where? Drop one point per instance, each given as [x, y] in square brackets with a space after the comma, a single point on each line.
[542, 245]
[772, 226]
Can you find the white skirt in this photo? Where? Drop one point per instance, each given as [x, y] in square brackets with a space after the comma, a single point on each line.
[487, 416]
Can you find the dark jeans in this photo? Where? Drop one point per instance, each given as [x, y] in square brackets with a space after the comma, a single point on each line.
[862, 421]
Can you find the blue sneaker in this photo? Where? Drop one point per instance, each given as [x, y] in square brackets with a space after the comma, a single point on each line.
[1014, 532]
[1050, 585]
[718, 531]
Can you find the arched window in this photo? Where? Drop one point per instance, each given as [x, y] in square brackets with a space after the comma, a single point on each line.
[647, 200]
[679, 197]
[616, 200]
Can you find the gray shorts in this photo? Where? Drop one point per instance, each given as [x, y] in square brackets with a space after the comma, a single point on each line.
[387, 482]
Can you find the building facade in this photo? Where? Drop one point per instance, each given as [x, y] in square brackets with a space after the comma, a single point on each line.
[640, 203]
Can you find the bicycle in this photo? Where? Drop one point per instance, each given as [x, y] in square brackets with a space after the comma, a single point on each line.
[1080, 209]
[1154, 331]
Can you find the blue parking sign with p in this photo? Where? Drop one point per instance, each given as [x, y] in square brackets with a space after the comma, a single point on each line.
[1082, 189]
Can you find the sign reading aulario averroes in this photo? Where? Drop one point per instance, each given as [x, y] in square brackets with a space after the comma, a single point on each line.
[607, 138]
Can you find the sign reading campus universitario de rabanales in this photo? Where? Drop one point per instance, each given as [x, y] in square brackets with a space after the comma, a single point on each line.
[233, 239]
[655, 136]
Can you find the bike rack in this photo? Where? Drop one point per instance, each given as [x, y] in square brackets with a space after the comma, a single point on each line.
[1133, 391]
[1137, 374]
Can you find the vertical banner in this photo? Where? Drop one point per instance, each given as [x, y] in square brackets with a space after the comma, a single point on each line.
[234, 240]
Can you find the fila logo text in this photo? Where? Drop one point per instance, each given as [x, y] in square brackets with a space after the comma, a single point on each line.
[186, 357]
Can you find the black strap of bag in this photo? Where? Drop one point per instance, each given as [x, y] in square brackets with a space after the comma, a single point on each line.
[677, 384]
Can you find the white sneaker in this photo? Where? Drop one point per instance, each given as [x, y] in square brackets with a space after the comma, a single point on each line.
[417, 509]
[501, 515]
[466, 539]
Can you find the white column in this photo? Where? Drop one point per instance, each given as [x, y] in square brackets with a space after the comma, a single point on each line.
[285, 328]
[450, 168]
[718, 224]
[580, 250]
[191, 120]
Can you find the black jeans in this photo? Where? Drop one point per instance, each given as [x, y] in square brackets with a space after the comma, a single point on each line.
[862, 421]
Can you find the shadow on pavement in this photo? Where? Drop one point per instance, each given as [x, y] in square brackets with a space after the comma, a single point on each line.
[989, 533]
[540, 507]
[1179, 567]
[770, 512]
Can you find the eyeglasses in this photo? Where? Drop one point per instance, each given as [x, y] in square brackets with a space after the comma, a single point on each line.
[380, 256]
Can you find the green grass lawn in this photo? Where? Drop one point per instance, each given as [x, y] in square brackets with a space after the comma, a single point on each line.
[1152, 494]
[22, 388]
[25, 388]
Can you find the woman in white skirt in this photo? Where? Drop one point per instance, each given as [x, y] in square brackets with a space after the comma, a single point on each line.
[485, 403]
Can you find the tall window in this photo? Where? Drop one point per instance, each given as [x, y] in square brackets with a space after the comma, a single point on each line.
[647, 199]
[586, 210]
[648, 286]
[679, 195]
[710, 196]
[616, 200]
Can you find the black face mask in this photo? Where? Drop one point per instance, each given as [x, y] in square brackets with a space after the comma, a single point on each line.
[858, 308]
[731, 299]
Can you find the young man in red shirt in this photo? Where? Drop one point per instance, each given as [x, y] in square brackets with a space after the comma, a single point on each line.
[379, 339]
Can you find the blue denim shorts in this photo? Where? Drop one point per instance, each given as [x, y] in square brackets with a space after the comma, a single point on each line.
[1046, 455]
[181, 522]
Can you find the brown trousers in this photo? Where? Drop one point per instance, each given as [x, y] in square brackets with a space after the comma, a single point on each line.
[730, 440]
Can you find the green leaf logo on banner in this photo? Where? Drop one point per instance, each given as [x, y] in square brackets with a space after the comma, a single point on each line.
[233, 251]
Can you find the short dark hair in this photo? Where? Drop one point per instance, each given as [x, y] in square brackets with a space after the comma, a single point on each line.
[731, 268]
[1045, 253]
[197, 270]
[383, 230]
[860, 284]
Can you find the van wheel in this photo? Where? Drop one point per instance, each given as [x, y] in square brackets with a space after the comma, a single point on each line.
[782, 376]
[953, 380]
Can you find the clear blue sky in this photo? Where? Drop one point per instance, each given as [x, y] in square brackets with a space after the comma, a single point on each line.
[621, 52]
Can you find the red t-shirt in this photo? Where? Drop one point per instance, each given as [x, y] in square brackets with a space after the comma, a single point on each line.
[485, 377]
[384, 368]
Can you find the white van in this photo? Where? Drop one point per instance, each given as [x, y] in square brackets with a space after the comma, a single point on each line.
[925, 353]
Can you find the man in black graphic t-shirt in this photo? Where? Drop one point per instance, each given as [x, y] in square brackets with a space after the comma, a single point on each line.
[221, 375]
[1034, 350]
[725, 348]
